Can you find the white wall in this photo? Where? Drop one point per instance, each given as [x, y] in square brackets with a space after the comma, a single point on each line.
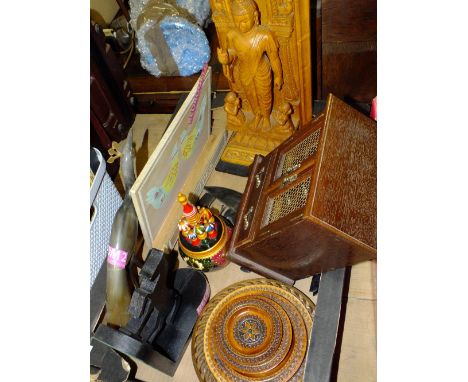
[103, 11]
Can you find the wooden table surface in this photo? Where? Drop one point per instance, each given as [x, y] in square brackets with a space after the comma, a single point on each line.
[357, 359]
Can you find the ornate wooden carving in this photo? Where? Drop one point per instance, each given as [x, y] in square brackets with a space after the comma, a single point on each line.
[265, 52]
[254, 330]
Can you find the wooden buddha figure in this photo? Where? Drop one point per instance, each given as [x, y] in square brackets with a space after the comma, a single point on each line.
[235, 116]
[265, 53]
[253, 51]
[284, 117]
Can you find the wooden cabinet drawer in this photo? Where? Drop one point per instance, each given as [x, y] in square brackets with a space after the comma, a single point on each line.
[317, 208]
[247, 216]
[284, 203]
[298, 154]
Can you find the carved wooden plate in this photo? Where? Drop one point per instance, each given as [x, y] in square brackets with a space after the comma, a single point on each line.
[254, 330]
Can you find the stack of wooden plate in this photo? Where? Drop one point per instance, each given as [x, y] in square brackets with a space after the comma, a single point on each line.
[254, 330]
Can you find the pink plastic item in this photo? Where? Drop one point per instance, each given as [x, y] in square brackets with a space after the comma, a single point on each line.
[373, 110]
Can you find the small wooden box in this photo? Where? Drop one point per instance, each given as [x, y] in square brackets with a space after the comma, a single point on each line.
[311, 204]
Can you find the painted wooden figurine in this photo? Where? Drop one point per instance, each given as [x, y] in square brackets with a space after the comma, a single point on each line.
[203, 237]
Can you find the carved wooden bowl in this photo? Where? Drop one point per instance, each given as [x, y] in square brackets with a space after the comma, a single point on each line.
[254, 330]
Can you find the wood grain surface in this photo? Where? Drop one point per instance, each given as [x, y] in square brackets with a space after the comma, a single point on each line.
[346, 190]
[346, 49]
[315, 208]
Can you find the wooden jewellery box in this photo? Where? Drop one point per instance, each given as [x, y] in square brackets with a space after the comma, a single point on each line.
[311, 204]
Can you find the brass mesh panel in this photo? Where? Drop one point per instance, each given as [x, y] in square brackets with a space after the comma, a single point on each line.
[293, 158]
[287, 202]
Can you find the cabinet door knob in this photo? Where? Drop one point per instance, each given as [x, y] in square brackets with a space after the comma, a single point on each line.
[247, 216]
[292, 168]
[288, 179]
[258, 177]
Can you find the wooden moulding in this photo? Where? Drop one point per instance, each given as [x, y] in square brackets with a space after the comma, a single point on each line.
[311, 204]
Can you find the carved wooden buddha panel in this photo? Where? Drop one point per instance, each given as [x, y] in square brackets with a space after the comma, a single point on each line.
[265, 53]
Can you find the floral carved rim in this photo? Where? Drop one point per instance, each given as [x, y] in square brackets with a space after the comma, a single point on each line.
[199, 359]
